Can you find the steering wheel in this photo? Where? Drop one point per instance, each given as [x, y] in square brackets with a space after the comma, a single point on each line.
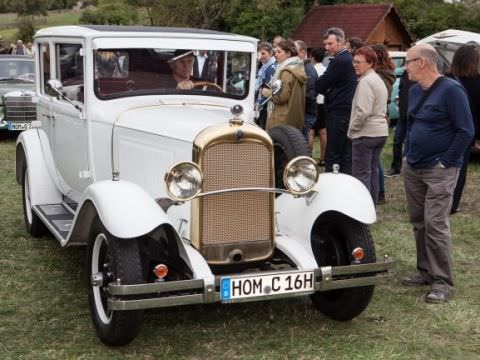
[199, 84]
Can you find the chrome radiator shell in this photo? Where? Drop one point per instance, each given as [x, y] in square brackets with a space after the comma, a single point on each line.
[237, 226]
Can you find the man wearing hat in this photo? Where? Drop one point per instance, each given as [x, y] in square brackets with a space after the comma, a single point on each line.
[181, 65]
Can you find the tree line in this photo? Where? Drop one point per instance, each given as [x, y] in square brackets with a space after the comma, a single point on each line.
[258, 18]
[266, 18]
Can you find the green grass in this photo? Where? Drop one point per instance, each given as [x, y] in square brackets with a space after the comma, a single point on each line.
[44, 312]
[55, 18]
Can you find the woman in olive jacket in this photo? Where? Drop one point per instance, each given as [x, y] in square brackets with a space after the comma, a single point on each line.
[287, 107]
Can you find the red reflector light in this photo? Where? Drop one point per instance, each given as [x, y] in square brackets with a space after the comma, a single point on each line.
[160, 271]
[358, 254]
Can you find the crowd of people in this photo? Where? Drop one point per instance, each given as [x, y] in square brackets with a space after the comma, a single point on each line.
[341, 94]
[17, 48]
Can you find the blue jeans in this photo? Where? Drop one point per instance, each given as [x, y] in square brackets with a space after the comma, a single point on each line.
[366, 158]
[462, 177]
[398, 139]
[381, 178]
[308, 122]
[339, 146]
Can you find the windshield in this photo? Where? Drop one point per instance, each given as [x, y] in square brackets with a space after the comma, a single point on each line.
[133, 72]
[398, 61]
[14, 69]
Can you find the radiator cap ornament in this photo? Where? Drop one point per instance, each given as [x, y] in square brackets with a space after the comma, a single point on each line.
[236, 110]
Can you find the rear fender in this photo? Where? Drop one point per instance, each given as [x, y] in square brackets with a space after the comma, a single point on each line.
[33, 151]
[334, 192]
[124, 208]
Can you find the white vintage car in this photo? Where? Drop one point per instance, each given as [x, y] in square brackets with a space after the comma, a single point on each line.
[179, 197]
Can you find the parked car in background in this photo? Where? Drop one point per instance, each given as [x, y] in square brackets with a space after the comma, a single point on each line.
[17, 91]
[178, 196]
[446, 43]
[398, 57]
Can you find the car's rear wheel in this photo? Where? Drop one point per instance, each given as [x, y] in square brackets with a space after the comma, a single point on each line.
[333, 240]
[34, 225]
[110, 259]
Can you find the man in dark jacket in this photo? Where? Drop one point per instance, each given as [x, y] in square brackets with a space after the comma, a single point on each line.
[201, 66]
[439, 129]
[338, 84]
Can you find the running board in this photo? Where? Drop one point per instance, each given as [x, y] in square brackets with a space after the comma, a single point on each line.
[58, 218]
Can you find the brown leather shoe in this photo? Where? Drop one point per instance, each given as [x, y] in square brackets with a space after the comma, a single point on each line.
[415, 280]
[437, 296]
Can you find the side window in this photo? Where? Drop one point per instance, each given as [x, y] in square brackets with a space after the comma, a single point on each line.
[44, 51]
[70, 70]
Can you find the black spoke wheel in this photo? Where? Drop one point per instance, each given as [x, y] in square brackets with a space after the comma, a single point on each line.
[110, 259]
[34, 225]
[288, 143]
[334, 238]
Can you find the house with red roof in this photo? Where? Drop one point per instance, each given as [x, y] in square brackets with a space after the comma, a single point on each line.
[373, 23]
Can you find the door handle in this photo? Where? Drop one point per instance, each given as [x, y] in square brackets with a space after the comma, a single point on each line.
[49, 117]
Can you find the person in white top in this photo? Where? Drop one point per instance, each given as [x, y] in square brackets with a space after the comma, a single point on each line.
[201, 66]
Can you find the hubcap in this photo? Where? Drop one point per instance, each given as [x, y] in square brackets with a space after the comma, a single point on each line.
[99, 276]
[97, 279]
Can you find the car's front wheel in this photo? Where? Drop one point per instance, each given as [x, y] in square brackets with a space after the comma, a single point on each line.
[333, 240]
[110, 259]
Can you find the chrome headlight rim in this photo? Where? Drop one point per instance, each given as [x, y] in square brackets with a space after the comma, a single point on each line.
[290, 165]
[169, 175]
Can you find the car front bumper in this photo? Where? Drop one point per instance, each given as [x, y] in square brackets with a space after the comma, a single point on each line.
[188, 292]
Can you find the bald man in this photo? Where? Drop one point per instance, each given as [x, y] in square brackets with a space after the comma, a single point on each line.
[439, 129]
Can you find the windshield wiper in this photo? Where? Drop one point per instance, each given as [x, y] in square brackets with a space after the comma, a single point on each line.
[6, 78]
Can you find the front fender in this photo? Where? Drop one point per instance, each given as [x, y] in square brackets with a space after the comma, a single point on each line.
[33, 151]
[125, 209]
[334, 192]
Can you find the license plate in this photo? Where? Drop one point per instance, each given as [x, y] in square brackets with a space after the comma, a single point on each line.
[19, 126]
[241, 287]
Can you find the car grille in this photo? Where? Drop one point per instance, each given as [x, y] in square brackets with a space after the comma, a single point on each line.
[20, 109]
[236, 222]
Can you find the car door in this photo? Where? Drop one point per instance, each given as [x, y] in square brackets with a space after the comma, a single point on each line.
[44, 104]
[69, 126]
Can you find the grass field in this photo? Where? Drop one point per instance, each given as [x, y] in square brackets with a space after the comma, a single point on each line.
[55, 18]
[44, 312]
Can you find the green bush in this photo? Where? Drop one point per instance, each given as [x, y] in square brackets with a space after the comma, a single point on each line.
[26, 29]
[111, 13]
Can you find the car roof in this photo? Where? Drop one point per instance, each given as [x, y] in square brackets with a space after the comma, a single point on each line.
[16, 57]
[95, 31]
[452, 36]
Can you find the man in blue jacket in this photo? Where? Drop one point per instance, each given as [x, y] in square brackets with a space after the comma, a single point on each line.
[338, 85]
[439, 129]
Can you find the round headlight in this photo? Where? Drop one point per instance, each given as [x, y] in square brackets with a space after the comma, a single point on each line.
[300, 175]
[184, 181]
